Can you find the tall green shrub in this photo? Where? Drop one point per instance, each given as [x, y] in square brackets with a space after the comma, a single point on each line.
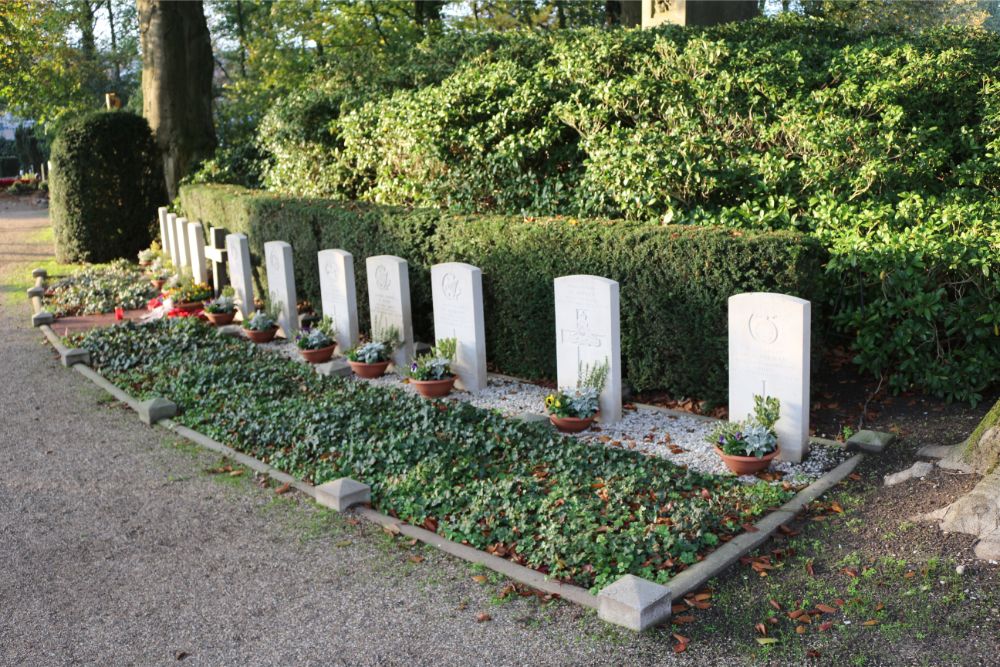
[105, 185]
[785, 123]
[674, 279]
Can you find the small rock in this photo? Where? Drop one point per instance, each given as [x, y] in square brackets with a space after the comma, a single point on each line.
[960, 570]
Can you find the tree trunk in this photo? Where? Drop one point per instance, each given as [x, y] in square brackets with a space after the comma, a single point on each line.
[116, 63]
[177, 67]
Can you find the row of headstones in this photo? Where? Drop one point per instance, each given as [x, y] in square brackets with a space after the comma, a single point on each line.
[769, 334]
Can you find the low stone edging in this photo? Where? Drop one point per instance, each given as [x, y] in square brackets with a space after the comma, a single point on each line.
[631, 601]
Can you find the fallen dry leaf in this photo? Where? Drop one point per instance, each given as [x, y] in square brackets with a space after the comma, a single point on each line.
[764, 641]
[482, 617]
[871, 621]
[479, 579]
[774, 603]
[800, 629]
[826, 609]
[284, 488]
[416, 559]
[681, 620]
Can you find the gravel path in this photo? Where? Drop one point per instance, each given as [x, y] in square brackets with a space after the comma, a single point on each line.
[118, 548]
[675, 436]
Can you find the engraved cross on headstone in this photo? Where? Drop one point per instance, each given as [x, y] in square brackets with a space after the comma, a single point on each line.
[215, 252]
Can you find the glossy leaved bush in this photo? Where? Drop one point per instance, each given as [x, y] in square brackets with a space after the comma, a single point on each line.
[882, 143]
[579, 512]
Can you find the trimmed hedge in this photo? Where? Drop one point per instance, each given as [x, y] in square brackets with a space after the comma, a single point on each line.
[674, 279]
[105, 185]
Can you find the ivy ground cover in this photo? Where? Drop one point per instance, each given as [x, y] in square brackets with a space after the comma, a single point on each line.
[579, 512]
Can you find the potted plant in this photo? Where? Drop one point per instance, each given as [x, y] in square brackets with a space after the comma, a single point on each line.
[158, 271]
[187, 295]
[747, 447]
[574, 410]
[431, 373]
[149, 255]
[317, 343]
[370, 360]
[261, 326]
[221, 310]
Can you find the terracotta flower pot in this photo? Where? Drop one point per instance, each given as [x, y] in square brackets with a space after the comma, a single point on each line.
[746, 465]
[368, 371]
[189, 306]
[220, 319]
[571, 424]
[319, 356]
[157, 284]
[265, 336]
[434, 388]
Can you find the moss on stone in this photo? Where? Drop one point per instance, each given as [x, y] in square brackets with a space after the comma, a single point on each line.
[982, 454]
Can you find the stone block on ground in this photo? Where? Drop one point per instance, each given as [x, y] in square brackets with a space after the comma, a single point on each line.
[919, 469]
[342, 494]
[36, 291]
[42, 317]
[234, 330]
[870, 442]
[335, 367]
[634, 603]
[75, 356]
[155, 409]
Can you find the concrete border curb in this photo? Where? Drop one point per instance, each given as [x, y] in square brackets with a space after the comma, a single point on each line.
[695, 576]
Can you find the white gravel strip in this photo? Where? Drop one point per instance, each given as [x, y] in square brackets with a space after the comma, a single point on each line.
[678, 438]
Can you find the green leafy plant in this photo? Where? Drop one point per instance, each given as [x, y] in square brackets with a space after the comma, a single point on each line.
[436, 364]
[379, 349]
[262, 319]
[754, 436]
[572, 510]
[320, 335]
[99, 289]
[583, 401]
[225, 303]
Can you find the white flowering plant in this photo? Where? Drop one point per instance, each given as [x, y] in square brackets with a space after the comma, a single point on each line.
[754, 436]
[583, 401]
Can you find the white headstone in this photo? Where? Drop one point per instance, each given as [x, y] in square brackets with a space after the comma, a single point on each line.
[588, 332]
[389, 301]
[769, 345]
[161, 213]
[172, 238]
[240, 272]
[183, 260]
[457, 290]
[196, 252]
[281, 285]
[340, 300]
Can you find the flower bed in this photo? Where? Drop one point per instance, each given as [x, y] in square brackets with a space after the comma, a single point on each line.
[99, 289]
[577, 511]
